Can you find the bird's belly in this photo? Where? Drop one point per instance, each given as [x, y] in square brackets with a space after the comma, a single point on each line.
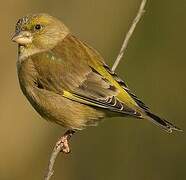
[58, 109]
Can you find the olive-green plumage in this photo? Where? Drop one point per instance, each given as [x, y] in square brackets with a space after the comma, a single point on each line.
[67, 81]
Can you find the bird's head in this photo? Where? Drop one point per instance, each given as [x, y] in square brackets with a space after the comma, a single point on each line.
[40, 31]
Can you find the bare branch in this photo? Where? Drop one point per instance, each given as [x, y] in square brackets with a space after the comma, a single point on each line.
[129, 34]
[61, 146]
[53, 157]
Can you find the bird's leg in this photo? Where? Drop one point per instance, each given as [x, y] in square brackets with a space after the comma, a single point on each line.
[62, 143]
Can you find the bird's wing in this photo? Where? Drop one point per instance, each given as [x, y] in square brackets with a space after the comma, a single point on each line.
[78, 72]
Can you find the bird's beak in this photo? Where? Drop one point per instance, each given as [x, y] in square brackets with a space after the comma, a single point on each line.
[22, 37]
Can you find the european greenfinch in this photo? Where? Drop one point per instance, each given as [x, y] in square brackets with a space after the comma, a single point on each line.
[67, 81]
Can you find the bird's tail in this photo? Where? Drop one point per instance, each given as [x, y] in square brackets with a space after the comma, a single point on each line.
[165, 125]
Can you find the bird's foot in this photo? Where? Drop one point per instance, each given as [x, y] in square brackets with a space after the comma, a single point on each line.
[63, 144]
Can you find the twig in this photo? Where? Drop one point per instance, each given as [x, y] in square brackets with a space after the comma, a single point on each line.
[53, 157]
[61, 146]
[129, 34]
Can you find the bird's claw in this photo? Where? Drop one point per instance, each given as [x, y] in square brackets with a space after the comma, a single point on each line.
[63, 144]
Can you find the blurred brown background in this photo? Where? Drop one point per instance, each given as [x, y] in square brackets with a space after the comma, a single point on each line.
[154, 68]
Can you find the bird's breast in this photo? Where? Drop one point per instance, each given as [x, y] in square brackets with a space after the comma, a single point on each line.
[27, 75]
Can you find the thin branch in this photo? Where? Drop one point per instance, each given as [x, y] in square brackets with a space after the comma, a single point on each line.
[129, 34]
[61, 146]
[53, 157]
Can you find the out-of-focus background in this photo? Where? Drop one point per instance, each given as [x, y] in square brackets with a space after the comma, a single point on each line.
[154, 67]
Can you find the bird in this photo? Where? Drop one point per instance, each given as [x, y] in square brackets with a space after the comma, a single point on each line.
[68, 82]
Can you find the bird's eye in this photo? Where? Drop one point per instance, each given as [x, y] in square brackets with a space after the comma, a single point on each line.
[38, 27]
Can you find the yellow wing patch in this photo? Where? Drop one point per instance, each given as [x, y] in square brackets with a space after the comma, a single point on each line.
[122, 95]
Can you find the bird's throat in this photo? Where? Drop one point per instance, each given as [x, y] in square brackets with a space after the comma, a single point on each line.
[24, 52]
